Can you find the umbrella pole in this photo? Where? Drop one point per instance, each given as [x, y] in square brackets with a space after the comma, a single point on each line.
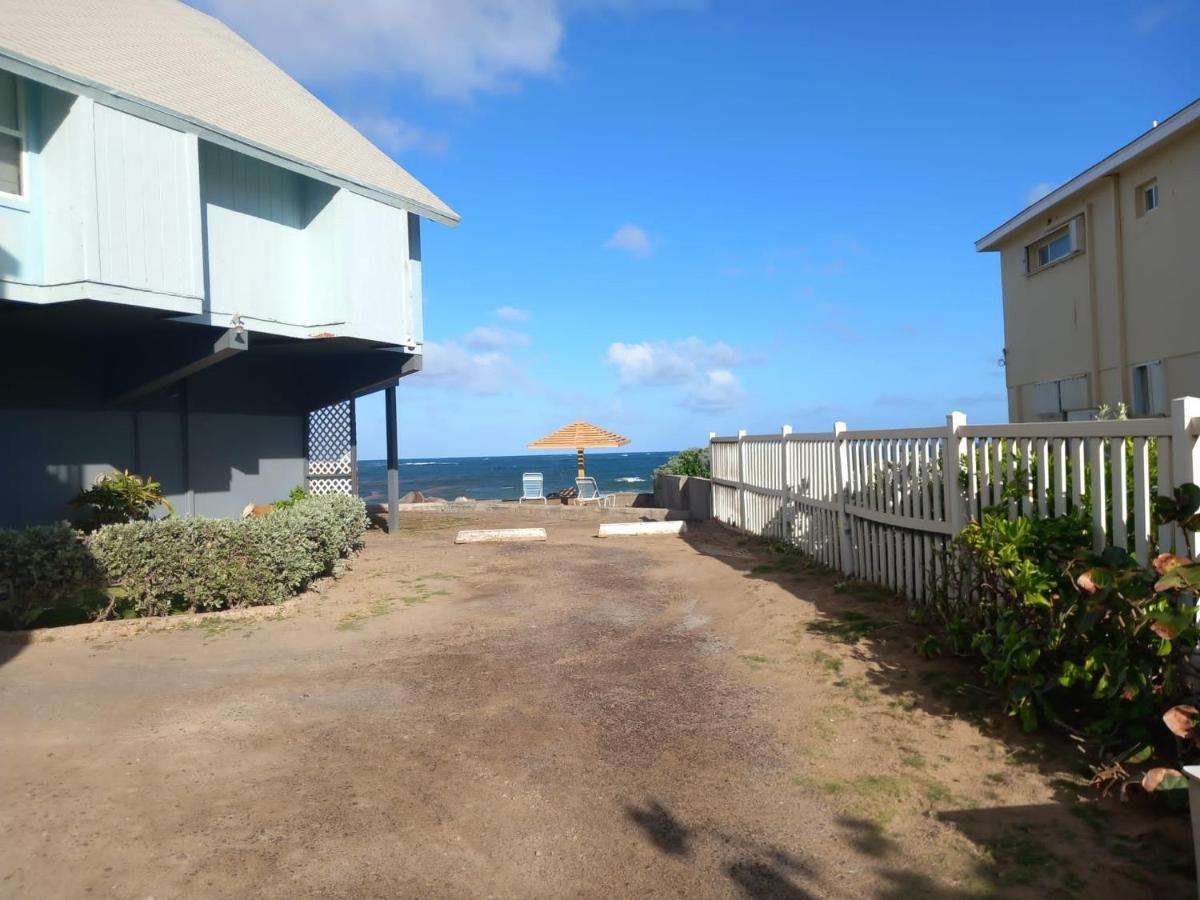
[579, 460]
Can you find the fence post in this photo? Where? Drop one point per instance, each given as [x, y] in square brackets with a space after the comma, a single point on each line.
[712, 490]
[785, 509]
[841, 477]
[741, 488]
[1185, 455]
[956, 449]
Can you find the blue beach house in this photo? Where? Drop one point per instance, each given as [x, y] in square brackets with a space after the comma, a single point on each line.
[200, 263]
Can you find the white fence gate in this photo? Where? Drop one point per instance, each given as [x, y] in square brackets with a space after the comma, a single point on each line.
[879, 505]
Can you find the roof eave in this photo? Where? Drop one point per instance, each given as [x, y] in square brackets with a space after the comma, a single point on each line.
[1165, 130]
[56, 78]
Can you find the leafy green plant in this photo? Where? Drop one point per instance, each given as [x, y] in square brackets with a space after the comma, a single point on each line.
[45, 572]
[1091, 642]
[295, 495]
[692, 462]
[122, 497]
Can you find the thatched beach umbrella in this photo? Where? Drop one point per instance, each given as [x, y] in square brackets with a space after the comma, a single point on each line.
[579, 435]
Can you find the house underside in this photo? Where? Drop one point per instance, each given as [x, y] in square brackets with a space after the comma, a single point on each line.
[219, 416]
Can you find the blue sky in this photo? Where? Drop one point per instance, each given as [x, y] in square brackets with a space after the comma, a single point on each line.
[690, 216]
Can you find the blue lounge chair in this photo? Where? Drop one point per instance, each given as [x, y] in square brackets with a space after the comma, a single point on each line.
[532, 487]
[588, 492]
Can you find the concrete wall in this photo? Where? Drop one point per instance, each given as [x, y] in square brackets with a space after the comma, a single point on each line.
[232, 459]
[1126, 299]
[685, 493]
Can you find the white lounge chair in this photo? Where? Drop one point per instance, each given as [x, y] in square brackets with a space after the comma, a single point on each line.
[588, 492]
[532, 487]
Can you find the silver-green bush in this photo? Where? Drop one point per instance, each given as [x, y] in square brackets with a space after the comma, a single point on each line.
[42, 569]
[207, 564]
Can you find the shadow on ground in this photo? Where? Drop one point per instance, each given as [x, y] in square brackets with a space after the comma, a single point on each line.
[1028, 857]
[1021, 845]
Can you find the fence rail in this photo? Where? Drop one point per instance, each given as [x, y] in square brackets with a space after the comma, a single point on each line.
[882, 504]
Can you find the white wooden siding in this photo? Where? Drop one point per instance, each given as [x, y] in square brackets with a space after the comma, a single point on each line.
[254, 219]
[882, 505]
[143, 204]
[284, 248]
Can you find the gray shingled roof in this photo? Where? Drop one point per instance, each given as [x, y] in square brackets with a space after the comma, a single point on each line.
[175, 59]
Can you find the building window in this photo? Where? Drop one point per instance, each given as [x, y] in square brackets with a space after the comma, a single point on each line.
[1060, 244]
[1148, 394]
[1147, 197]
[12, 135]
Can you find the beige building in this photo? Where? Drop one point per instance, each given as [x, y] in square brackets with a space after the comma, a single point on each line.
[1101, 282]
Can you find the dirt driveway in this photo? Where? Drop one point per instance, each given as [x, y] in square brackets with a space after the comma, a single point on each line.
[628, 717]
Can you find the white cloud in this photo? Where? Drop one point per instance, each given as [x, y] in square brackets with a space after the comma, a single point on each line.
[721, 390]
[703, 370]
[454, 48]
[632, 240]
[485, 337]
[450, 365]
[512, 314]
[1037, 192]
[659, 362]
[399, 137]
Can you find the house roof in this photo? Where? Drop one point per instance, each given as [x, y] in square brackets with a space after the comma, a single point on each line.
[579, 434]
[171, 63]
[1165, 130]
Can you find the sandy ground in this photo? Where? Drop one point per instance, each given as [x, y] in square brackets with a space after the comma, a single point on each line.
[597, 718]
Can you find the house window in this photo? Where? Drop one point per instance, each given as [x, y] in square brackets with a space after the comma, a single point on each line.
[12, 137]
[1147, 197]
[1148, 394]
[1058, 245]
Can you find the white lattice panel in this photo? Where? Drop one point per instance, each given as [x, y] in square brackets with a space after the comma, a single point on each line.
[331, 456]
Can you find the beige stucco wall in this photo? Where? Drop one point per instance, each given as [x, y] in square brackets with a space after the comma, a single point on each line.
[1067, 320]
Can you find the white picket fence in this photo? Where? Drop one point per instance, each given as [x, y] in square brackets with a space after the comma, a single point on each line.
[879, 505]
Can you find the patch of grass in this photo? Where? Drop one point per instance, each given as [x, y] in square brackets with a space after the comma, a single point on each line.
[762, 569]
[913, 760]
[355, 620]
[863, 590]
[1020, 856]
[937, 793]
[754, 660]
[997, 777]
[849, 628]
[829, 663]
[1094, 815]
[876, 797]
[859, 689]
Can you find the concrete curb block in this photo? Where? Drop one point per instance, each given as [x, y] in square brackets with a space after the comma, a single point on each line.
[500, 535]
[638, 529]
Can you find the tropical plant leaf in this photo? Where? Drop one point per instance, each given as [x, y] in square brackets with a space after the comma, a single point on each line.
[1182, 720]
[1163, 779]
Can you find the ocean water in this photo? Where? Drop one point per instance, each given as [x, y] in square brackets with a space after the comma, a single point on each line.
[499, 477]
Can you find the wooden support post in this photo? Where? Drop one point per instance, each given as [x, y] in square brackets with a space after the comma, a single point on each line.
[712, 491]
[1185, 459]
[841, 476]
[579, 462]
[785, 504]
[956, 449]
[741, 488]
[393, 465]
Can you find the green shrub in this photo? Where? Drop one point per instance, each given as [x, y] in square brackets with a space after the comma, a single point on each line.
[693, 461]
[295, 495]
[121, 497]
[1092, 642]
[209, 564]
[44, 571]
